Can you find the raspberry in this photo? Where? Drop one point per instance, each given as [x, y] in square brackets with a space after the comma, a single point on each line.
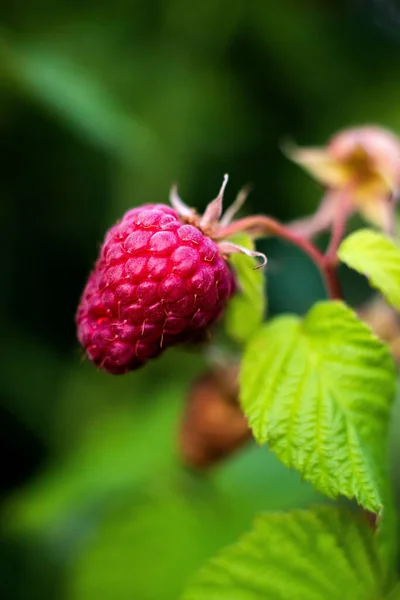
[157, 282]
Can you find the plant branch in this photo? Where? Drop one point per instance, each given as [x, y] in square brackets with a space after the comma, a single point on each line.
[261, 224]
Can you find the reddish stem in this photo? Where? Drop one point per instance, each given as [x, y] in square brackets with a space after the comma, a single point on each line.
[342, 212]
[266, 225]
[332, 282]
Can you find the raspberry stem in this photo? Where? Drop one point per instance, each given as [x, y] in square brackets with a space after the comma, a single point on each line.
[261, 224]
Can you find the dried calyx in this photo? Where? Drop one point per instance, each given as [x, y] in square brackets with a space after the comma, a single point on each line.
[213, 221]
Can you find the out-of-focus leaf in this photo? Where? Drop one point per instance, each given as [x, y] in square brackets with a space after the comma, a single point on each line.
[395, 593]
[164, 520]
[121, 453]
[245, 311]
[122, 443]
[73, 92]
[118, 452]
[161, 527]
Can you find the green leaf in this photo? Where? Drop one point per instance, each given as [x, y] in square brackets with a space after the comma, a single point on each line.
[246, 310]
[319, 392]
[376, 256]
[323, 554]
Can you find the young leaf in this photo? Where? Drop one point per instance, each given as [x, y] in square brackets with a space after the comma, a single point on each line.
[376, 256]
[322, 554]
[319, 391]
[246, 310]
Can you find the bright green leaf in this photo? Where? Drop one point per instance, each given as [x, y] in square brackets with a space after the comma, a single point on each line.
[323, 554]
[376, 256]
[319, 392]
[246, 310]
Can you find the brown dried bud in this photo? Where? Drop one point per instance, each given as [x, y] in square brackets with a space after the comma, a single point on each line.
[213, 425]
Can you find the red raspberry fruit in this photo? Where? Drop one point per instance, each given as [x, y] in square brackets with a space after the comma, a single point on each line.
[157, 282]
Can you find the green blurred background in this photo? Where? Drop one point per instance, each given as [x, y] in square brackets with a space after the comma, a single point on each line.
[102, 106]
